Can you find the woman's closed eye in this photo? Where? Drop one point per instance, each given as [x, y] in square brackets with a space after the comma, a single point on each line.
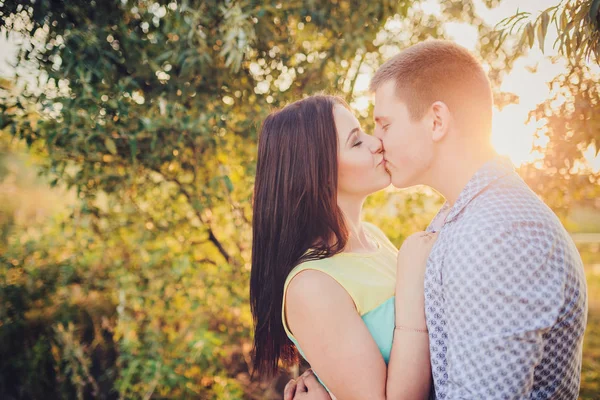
[357, 138]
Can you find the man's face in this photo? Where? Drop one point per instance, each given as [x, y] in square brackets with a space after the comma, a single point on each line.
[407, 144]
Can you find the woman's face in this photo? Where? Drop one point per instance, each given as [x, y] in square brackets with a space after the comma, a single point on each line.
[361, 166]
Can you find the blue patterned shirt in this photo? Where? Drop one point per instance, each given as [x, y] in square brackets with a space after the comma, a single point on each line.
[505, 295]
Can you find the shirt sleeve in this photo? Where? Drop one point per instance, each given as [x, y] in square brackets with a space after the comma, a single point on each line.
[503, 292]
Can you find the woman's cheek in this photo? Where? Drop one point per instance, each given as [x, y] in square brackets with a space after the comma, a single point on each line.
[353, 172]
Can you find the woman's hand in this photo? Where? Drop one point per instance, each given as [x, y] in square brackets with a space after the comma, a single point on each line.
[410, 277]
[306, 387]
[413, 255]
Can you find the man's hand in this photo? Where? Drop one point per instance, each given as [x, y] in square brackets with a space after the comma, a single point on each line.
[306, 387]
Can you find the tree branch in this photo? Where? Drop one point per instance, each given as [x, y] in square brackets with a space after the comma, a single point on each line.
[211, 235]
[353, 84]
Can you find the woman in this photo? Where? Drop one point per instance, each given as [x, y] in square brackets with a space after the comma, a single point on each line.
[332, 284]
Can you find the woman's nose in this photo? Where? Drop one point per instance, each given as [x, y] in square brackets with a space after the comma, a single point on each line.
[376, 145]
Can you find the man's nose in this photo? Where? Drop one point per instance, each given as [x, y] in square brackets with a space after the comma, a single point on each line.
[377, 133]
[377, 146]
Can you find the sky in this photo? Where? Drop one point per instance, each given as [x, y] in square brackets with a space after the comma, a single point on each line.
[512, 136]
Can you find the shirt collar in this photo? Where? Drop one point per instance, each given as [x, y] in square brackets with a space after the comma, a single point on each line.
[490, 172]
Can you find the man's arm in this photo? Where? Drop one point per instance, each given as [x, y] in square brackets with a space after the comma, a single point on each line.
[502, 294]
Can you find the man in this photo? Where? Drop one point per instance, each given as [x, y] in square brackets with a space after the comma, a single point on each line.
[505, 291]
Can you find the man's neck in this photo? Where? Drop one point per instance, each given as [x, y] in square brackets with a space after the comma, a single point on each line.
[451, 175]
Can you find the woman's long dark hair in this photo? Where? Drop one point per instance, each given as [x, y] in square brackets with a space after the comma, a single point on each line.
[296, 216]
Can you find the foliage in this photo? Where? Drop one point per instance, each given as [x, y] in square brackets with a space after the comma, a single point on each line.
[571, 129]
[571, 125]
[147, 112]
[577, 23]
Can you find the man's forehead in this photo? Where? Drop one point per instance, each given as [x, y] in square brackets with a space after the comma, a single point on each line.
[380, 111]
[382, 99]
[385, 105]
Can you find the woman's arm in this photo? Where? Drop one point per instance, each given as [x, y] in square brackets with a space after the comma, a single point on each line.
[340, 348]
[336, 342]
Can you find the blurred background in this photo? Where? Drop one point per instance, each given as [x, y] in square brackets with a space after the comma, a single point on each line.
[128, 133]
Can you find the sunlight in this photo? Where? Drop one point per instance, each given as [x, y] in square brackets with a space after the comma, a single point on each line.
[592, 157]
[511, 136]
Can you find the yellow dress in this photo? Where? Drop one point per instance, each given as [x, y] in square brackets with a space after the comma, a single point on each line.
[369, 279]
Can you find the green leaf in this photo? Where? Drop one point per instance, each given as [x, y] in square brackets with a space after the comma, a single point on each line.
[563, 22]
[228, 183]
[164, 56]
[543, 29]
[540, 37]
[529, 30]
[133, 147]
[110, 145]
[146, 122]
[154, 140]
[594, 10]
[197, 205]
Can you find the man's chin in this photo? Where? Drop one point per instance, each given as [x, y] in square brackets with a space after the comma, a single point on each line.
[400, 183]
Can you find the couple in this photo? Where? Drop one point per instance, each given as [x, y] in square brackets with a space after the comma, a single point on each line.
[489, 303]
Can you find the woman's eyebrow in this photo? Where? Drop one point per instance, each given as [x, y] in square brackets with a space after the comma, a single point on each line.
[352, 132]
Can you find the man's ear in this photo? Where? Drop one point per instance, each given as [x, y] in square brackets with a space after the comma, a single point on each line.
[440, 122]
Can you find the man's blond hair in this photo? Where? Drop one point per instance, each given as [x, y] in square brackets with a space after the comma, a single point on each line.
[440, 70]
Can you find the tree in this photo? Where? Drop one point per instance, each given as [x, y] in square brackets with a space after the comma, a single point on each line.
[577, 24]
[149, 111]
[572, 113]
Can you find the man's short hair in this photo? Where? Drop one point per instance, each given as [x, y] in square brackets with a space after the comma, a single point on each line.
[440, 70]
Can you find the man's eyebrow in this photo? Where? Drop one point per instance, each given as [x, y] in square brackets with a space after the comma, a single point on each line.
[353, 131]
